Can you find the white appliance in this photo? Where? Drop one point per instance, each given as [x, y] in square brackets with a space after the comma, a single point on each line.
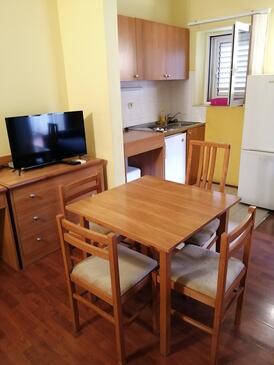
[175, 157]
[256, 180]
[133, 173]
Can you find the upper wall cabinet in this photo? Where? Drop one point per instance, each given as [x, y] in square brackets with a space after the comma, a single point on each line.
[177, 62]
[166, 51]
[130, 34]
[152, 51]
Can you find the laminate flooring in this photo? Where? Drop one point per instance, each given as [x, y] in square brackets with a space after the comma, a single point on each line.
[35, 324]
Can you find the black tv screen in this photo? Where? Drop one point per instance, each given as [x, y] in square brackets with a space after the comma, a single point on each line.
[45, 138]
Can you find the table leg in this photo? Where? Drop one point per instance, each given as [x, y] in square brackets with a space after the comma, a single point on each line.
[222, 228]
[165, 303]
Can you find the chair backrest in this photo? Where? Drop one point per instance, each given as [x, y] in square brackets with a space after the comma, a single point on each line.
[206, 163]
[74, 236]
[77, 190]
[238, 239]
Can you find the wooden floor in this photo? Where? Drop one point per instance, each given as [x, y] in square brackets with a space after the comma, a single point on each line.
[35, 326]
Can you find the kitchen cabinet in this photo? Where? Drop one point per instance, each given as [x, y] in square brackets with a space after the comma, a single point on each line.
[175, 158]
[130, 49]
[166, 51]
[152, 51]
[177, 55]
[197, 133]
[145, 150]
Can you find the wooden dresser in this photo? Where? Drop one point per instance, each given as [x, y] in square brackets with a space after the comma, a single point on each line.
[34, 203]
[8, 251]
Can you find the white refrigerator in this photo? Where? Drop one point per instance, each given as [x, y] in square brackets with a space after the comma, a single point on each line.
[256, 180]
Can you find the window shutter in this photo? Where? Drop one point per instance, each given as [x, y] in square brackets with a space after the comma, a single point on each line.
[224, 68]
[240, 51]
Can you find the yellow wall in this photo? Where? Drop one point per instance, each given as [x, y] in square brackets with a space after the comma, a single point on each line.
[156, 10]
[31, 71]
[225, 125]
[90, 48]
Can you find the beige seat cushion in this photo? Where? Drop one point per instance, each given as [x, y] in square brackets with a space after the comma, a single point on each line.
[94, 271]
[197, 268]
[97, 228]
[203, 235]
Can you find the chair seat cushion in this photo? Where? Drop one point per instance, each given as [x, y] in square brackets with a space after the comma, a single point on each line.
[94, 271]
[204, 234]
[197, 268]
[97, 228]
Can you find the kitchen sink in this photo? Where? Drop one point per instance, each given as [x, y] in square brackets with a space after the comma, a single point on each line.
[155, 127]
[177, 125]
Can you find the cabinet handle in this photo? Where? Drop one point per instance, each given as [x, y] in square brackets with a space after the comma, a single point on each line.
[32, 195]
[183, 139]
[168, 76]
[165, 76]
[35, 217]
[38, 239]
[136, 76]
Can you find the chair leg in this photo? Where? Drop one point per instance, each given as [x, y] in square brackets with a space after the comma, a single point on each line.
[119, 335]
[239, 307]
[155, 307]
[74, 308]
[215, 338]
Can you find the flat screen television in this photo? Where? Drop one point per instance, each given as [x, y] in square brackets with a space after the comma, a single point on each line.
[43, 139]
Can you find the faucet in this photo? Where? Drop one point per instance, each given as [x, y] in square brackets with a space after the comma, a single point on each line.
[172, 118]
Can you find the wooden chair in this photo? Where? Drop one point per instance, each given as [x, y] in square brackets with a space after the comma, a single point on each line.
[77, 190]
[206, 164]
[204, 172]
[100, 274]
[215, 279]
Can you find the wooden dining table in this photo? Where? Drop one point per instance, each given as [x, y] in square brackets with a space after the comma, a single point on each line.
[159, 214]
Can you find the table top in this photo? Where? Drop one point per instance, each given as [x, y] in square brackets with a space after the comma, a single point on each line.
[153, 211]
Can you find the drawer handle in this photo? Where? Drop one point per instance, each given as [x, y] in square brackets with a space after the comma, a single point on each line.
[32, 195]
[35, 218]
[38, 239]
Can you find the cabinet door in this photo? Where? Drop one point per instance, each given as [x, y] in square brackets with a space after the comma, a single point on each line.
[154, 50]
[198, 134]
[175, 161]
[177, 53]
[127, 48]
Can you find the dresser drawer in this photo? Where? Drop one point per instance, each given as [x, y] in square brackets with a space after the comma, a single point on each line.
[34, 197]
[39, 240]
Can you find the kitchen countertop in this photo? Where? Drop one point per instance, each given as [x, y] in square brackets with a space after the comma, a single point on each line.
[182, 129]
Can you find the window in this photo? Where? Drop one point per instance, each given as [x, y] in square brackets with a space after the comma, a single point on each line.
[219, 66]
[228, 65]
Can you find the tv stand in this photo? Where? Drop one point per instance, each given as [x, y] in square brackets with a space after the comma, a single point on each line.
[34, 203]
